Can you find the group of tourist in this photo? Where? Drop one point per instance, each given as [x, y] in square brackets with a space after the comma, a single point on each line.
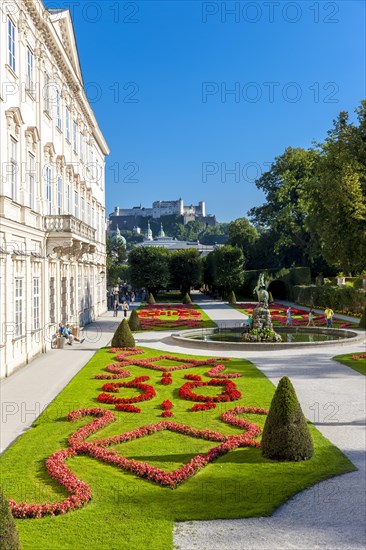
[328, 314]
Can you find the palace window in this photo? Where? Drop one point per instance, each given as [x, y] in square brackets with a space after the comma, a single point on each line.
[36, 309]
[11, 44]
[59, 194]
[52, 300]
[14, 168]
[48, 181]
[83, 209]
[58, 108]
[67, 123]
[81, 146]
[76, 204]
[46, 93]
[68, 200]
[31, 180]
[74, 137]
[88, 213]
[30, 72]
[18, 308]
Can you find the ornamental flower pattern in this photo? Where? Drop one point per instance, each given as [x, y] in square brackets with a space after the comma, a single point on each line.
[179, 316]
[80, 493]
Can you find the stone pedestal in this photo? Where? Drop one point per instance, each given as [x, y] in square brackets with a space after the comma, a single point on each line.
[262, 318]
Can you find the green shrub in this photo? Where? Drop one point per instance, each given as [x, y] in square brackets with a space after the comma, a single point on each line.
[9, 539]
[232, 298]
[286, 434]
[358, 283]
[151, 299]
[363, 319]
[123, 337]
[186, 299]
[134, 321]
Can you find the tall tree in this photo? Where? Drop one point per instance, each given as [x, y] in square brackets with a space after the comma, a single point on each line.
[149, 268]
[243, 234]
[284, 212]
[228, 268]
[185, 269]
[337, 195]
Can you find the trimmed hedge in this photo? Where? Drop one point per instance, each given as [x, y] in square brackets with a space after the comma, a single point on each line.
[286, 435]
[123, 337]
[151, 299]
[134, 321]
[9, 539]
[186, 299]
[344, 298]
[288, 276]
[232, 298]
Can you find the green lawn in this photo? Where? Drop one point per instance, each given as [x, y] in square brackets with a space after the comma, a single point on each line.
[128, 512]
[358, 365]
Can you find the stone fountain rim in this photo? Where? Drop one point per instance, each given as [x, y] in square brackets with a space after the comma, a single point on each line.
[183, 338]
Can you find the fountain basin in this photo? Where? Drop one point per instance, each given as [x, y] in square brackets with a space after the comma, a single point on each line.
[293, 337]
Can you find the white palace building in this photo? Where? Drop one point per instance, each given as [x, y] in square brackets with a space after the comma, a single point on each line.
[52, 199]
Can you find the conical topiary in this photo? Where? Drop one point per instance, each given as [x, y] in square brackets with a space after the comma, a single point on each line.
[286, 434]
[232, 298]
[123, 337]
[186, 299]
[134, 321]
[9, 538]
[151, 299]
[363, 319]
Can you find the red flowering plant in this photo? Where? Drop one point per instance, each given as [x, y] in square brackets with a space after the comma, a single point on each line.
[166, 378]
[127, 408]
[359, 356]
[79, 491]
[216, 372]
[147, 391]
[230, 393]
[192, 377]
[203, 406]
[174, 316]
[166, 405]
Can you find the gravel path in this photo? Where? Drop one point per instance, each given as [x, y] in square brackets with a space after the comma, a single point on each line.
[331, 515]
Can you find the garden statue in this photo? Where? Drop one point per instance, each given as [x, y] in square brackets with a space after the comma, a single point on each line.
[261, 290]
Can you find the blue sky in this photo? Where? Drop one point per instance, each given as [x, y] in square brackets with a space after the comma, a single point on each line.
[158, 75]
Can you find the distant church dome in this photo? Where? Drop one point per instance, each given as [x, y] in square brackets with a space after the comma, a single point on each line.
[118, 237]
[161, 232]
[149, 235]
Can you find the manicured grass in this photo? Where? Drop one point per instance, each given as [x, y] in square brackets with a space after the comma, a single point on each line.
[358, 365]
[169, 321]
[127, 512]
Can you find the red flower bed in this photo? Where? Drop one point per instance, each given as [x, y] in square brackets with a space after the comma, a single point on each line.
[195, 377]
[216, 372]
[127, 408]
[167, 413]
[230, 393]
[166, 405]
[80, 492]
[184, 316]
[359, 356]
[166, 378]
[147, 391]
[203, 406]
[116, 370]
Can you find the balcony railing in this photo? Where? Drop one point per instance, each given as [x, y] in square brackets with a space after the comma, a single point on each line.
[69, 224]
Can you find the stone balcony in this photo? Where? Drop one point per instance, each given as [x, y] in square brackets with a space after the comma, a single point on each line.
[68, 236]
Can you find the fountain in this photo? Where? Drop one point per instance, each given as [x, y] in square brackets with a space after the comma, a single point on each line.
[261, 334]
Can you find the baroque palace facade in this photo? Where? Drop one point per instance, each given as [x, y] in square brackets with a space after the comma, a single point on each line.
[52, 199]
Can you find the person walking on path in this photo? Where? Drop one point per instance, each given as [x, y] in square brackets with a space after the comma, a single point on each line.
[328, 314]
[125, 308]
[311, 318]
[115, 307]
[289, 317]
